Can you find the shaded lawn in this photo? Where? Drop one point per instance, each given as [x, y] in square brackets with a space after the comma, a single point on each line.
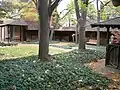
[24, 51]
[65, 72]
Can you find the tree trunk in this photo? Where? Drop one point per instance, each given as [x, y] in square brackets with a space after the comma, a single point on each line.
[76, 34]
[44, 29]
[51, 34]
[69, 22]
[81, 22]
[81, 26]
[98, 20]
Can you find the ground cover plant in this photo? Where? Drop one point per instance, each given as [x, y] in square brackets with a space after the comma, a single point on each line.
[81, 56]
[65, 72]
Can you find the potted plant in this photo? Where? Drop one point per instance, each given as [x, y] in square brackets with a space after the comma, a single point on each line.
[116, 2]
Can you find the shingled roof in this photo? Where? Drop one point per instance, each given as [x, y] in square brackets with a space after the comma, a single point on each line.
[17, 22]
[113, 23]
[32, 25]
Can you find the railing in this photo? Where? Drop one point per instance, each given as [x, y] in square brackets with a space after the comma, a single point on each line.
[113, 56]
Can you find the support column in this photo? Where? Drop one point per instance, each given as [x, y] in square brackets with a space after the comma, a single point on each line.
[8, 34]
[20, 33]
[107, 46]
[108, 34]
[4, 33]
[1, 34]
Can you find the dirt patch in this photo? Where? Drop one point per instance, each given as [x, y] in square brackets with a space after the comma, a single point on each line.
[112, 74]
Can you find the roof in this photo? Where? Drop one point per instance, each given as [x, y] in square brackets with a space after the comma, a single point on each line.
[16, 22]
[66, 29]
[113, 23]
[33, 25]
[86, 29]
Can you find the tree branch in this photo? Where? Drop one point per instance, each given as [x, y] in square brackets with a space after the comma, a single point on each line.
[91, 2]
[103, 5]
[77, 9]
[35, 2]
[53, 6]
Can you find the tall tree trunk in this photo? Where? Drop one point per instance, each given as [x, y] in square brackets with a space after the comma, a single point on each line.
[69, 22]
[51, 34]
[76, 34]
[81, 22]
[98, 20]
[45, 9]
[44, 29]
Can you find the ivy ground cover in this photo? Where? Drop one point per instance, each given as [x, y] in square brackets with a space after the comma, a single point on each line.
[65, 72]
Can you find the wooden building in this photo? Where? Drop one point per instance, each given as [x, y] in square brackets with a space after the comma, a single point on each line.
[20, 30]
[13, 30]
[112, 49]
[32, 31]
[64, 34]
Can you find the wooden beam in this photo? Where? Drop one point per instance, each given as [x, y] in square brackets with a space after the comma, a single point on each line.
[20, 33]
[1, 33]
[8, 34]
[4, 33]
[108, 34]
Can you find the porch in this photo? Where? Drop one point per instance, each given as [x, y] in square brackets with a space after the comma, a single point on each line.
[13, 31]
[112, 49]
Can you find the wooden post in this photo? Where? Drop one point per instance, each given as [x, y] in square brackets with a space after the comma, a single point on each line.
[24, 33]
[1, 34]
[8, 34]
[108, 34]
[4, 33]
[20, 33]
[107, 46]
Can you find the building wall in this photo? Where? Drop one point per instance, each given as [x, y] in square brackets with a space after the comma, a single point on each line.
[32, 35]
[3, 34]
[63, 35]
[15, 33]
[103, 38]
[93, 36]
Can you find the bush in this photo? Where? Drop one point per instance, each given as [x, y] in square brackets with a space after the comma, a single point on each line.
[8, 44]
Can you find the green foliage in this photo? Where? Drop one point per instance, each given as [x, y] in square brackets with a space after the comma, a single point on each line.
[91, 12]
[109, 10]
[10, 9]
[64, 72]
[29, 72]
[55, 19]
[81, 56]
